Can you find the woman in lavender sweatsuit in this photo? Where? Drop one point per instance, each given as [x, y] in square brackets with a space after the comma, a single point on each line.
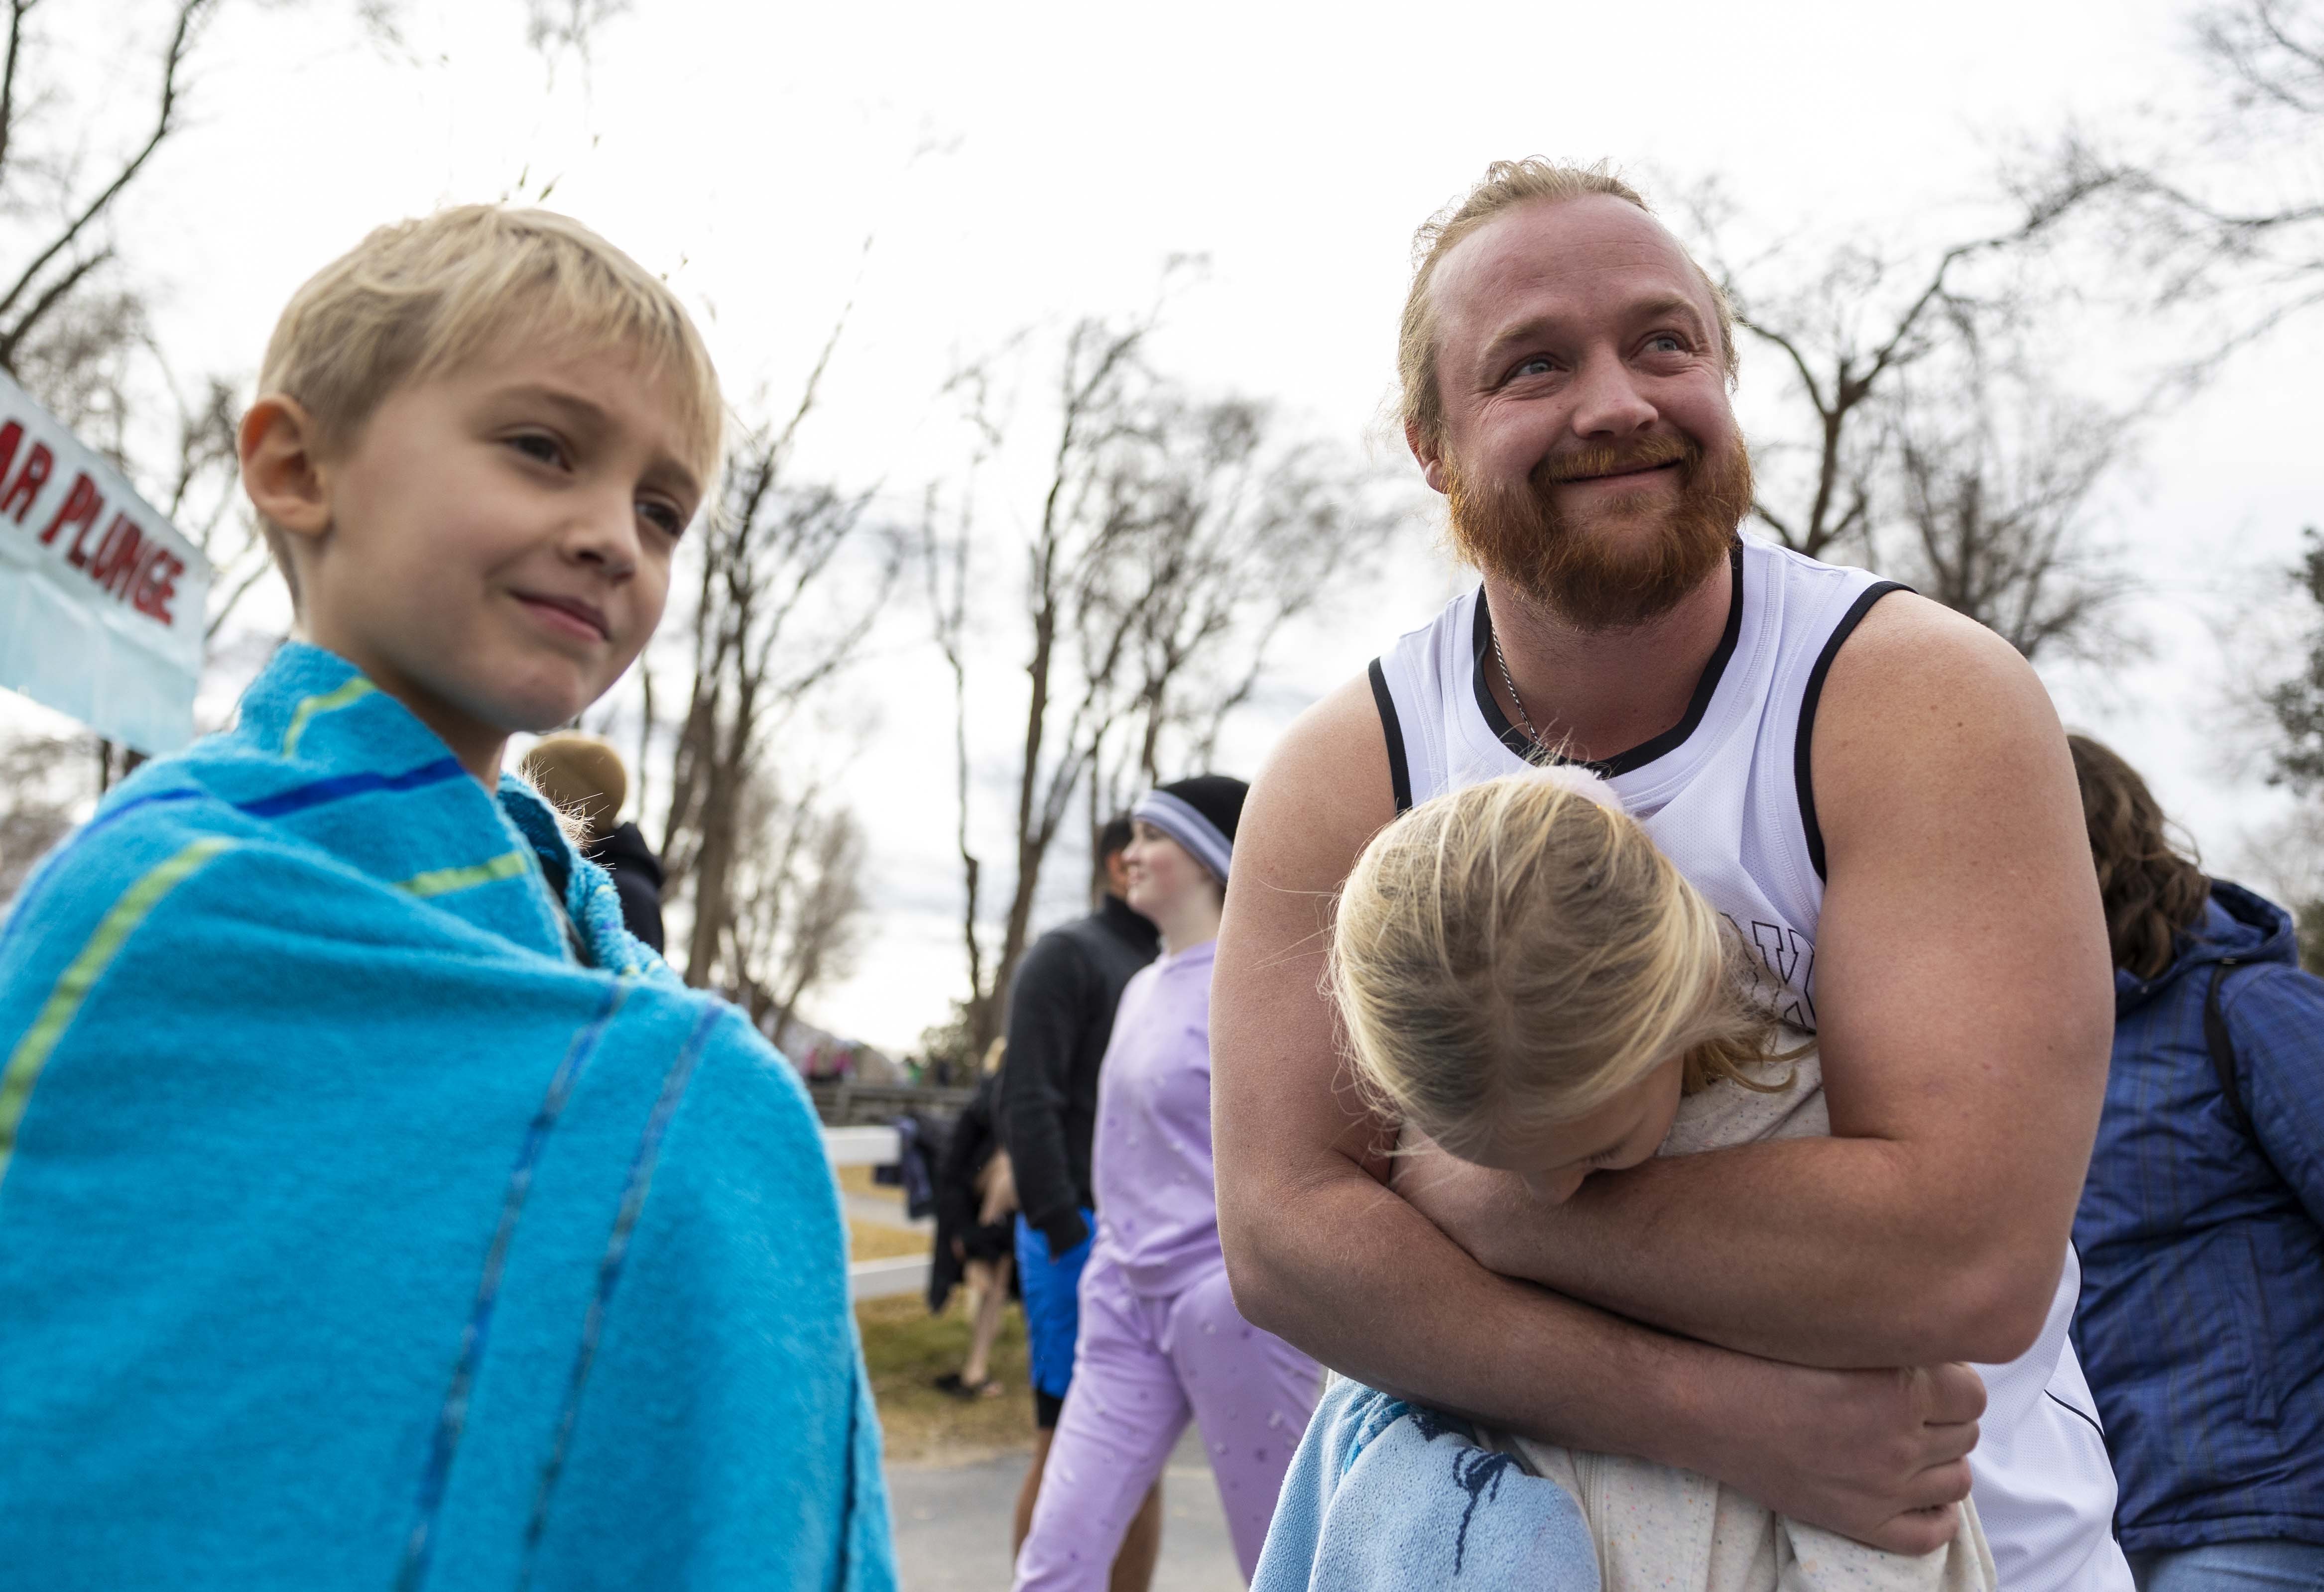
[1160, 1339]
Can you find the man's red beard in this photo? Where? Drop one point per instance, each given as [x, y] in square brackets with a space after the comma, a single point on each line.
[1621, 565]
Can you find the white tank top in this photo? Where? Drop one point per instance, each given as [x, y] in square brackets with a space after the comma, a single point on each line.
[1725, 794]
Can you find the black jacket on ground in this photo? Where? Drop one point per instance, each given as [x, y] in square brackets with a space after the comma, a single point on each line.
[1060, 1017]
[637, 876]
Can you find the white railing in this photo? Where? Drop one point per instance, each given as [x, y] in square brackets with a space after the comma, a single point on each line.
[875, 1279]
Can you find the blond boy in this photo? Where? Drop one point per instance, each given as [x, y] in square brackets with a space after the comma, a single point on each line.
[375, 1211]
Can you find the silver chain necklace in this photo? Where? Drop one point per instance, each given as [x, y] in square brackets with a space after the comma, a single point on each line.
[1532, 734]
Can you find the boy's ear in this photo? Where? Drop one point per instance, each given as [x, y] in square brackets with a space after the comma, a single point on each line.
[279, 467]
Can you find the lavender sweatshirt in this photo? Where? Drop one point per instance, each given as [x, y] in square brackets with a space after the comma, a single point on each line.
[1157, 1212]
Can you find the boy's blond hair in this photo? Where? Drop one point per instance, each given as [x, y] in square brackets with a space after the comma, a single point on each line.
[1516, 954]
[425, 298]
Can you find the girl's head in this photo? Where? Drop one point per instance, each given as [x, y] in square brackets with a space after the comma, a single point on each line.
[2148, 891]
[1530, 981]
[1181, 845]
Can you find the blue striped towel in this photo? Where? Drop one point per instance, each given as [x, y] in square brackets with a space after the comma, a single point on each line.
[352, 1235]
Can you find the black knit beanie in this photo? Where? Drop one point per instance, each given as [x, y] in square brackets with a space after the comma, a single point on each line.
[1200, 814]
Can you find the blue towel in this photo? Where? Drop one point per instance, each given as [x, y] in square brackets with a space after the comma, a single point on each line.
[352, 1234]
[1385, 1497]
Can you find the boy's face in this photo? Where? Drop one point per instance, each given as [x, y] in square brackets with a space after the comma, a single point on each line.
[495, 546]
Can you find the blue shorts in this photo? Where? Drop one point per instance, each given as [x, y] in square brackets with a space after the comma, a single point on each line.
[1053, 1309]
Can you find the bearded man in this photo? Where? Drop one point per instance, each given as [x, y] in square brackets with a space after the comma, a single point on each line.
[1875, 792]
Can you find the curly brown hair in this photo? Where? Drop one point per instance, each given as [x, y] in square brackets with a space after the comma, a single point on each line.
[2148, 891]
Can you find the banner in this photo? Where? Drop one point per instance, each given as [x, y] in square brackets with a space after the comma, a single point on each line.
[102, 602]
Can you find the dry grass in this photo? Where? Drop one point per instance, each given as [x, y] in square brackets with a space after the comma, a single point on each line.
[876, 1240]
[907, 1349]
[857, 1180]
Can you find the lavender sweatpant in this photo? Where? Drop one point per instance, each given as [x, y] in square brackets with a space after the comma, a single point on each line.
[1141, 1366]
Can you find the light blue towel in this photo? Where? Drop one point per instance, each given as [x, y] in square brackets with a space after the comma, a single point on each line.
[1385, 1497]
[352, 1236]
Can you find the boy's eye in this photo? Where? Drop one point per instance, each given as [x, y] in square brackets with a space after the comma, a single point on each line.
[538, 445]
[662, 516]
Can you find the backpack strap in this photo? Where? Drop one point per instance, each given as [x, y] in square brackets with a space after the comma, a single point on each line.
[2223, 1047]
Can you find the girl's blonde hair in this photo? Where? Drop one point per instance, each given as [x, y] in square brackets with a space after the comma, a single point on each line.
[1517, 953]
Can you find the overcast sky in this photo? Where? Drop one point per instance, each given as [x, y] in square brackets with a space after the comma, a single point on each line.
[1020, 165]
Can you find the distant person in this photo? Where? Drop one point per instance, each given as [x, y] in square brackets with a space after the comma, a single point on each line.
[2201, 1227]
[582, 777]
[976, 1238]
[361, 1227]
[1060, 1018]
[1161, 1339]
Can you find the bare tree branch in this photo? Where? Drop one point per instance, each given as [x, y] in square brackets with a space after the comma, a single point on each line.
[173, 59]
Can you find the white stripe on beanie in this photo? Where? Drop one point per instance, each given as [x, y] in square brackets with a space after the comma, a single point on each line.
[1183, 822]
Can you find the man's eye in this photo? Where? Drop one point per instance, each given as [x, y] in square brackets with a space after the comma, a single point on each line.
[1540, 364]
[1667, 342]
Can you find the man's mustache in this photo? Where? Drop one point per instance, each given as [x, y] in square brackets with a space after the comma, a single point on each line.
[1606, 458]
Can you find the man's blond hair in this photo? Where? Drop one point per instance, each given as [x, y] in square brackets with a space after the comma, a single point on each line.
[1506, 185]
[426, 297]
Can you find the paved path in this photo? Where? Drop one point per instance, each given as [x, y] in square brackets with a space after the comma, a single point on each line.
[951, 1525]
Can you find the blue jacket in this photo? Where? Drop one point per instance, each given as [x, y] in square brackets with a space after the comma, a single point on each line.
[2201, 1323]
[354, 1234]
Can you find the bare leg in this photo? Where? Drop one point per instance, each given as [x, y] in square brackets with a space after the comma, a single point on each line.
[1030, 1493]
[1141, 1545]
[990, 1284]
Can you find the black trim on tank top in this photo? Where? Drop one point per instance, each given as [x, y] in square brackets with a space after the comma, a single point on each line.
[1645, 751]
[1801, 773]
[1399, 772]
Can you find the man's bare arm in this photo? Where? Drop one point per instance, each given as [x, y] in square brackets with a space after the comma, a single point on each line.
[1320, 1253]
[1964, 1000]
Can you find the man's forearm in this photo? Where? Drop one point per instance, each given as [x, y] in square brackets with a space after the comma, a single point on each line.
[1826, 1252]
[1391, 1301]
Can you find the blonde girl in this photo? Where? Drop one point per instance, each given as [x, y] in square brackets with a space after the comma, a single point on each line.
[1527, 982]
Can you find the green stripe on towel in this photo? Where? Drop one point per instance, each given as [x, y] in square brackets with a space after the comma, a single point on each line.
[329, 702]
[443, 881]
[64, 1002]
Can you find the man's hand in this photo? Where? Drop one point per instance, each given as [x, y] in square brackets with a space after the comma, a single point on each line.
[1878, 1455]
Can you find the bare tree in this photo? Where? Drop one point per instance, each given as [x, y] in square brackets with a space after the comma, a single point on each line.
[1848, 331]
[789, 578]
[41, 786]
[1237, 533]
[2220, 218]
[1072, 696]
[64, 263]
[1994, 475]
[1173, 542]
[799, 903]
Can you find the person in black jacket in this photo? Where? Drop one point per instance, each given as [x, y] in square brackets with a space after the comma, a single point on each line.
[1060, 1018]
[975, 1241]
[582, 777]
